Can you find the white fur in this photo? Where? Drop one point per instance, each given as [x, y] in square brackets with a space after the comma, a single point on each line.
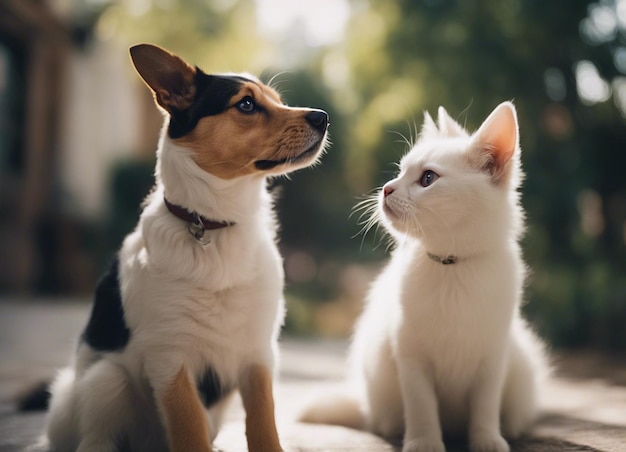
[187, 305]
[442, 349]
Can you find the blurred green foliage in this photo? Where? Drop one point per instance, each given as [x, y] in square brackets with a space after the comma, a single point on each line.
[400, 58]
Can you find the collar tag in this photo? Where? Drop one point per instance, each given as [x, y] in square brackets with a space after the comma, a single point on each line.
[197, 225]
[197, 230]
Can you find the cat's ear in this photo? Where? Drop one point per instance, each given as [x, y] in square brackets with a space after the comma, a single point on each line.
[495, 142]
[170, 78]
[448, 126]
[429, 128]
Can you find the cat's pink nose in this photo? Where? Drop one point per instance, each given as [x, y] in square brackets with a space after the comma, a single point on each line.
[387, 190]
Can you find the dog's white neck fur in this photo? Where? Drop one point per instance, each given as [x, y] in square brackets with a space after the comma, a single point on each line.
[186, 184]
[229, 258]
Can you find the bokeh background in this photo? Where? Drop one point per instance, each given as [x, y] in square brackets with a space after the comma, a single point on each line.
[78, 132]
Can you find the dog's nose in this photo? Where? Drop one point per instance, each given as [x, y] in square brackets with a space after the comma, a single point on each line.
[318, 119]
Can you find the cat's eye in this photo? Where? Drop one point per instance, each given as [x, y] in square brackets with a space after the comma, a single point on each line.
[247, 105]
[428, 177]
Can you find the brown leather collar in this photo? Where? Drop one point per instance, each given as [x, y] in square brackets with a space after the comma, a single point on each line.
[194, 219]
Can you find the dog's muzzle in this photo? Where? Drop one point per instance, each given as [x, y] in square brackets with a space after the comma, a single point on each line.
[318, 120]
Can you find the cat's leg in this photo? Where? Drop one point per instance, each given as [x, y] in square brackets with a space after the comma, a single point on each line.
[385, 415]
[422, 429]
[519, 403]
[104, 401]
[485, 400]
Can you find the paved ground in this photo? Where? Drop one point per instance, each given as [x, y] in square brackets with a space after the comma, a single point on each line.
[585, 408]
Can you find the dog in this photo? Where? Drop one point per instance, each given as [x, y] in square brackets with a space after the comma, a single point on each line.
[190, 309]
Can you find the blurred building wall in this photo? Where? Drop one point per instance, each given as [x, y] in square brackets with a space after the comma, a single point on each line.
[101, 125]
[70, 110]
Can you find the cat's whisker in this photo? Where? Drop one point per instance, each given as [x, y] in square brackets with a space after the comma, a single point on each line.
[364, 206]
[367, 224]
[413, 224]
[369, 216]
[465, 111]
[389, 239]
[391, 242]
[413, 130]
[403, 138]
[376, 220]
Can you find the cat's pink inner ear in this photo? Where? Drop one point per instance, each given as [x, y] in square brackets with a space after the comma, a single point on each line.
[498, 137]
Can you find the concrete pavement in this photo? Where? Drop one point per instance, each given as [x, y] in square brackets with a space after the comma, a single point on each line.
[585, 407]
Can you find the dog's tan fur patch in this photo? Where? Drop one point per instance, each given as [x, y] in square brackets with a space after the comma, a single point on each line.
[228, 144]
[258, 401]
[187, 428]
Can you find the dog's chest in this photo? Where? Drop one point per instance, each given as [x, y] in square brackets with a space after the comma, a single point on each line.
[232, 298]
[207, 317]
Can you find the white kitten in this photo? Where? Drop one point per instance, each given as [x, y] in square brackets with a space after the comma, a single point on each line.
[441, 347]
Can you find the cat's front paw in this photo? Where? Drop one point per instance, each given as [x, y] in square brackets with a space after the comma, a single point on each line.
[424, 445]
[488, 443]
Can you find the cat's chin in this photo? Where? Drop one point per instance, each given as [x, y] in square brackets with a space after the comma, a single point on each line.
[396, 223]
[392, 219]
[396, 227]
[387, 211]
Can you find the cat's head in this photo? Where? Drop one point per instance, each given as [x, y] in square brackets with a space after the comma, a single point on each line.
[455, 189]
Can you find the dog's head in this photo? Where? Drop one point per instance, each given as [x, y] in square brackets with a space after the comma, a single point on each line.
[234, 124]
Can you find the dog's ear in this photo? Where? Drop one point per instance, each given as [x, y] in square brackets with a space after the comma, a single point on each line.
[169, 77]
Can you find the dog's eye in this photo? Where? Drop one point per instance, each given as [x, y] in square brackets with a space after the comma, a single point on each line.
[428, 177]
[247, 105]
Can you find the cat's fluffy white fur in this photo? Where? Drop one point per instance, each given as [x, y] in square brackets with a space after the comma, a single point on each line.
[442, 349]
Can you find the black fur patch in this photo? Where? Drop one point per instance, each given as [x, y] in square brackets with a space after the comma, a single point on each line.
[268, 164]
[211, 389]
[36, 398]
[212, 95]
[106, 329]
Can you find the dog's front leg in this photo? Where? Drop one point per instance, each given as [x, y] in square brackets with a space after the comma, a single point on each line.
[185, 419]
[258, 401]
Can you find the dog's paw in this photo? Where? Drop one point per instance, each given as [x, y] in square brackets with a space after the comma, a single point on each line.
[424, 445]
[488, 443]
